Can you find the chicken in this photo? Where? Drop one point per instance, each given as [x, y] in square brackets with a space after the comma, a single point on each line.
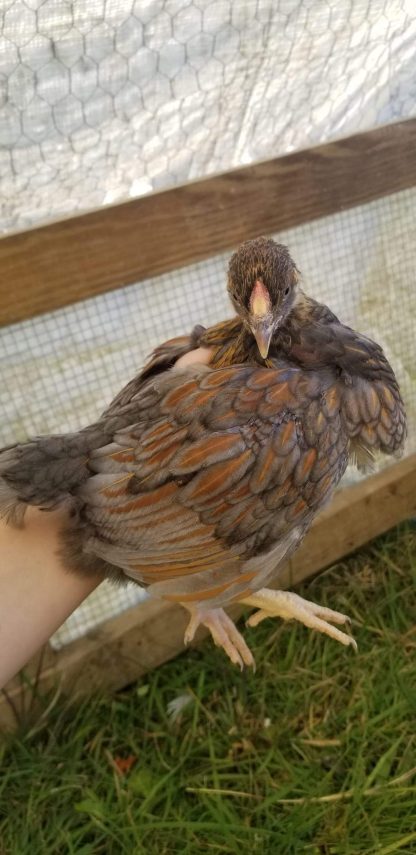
[200, 479]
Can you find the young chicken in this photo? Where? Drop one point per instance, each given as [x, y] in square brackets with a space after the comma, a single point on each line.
[199, 480]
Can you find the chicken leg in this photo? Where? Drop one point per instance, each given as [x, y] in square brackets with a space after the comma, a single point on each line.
[270, 603]
[290, 606]
[224, 633]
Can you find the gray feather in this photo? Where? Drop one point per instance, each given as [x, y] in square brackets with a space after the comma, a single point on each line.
[41, 472]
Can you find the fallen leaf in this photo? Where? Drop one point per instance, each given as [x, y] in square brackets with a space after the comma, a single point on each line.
[124, 764]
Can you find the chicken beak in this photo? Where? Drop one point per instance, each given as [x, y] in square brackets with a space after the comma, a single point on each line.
[262, 333]
[260, 317]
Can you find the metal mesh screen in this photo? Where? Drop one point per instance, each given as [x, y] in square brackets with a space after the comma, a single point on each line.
[101, 101]
[61, 369]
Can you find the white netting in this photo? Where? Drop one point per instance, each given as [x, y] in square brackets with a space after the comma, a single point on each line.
[101, 101]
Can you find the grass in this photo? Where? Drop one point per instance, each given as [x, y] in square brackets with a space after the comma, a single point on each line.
[315, 753]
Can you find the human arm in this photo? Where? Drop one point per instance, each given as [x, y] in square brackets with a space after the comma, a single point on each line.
[36, 592]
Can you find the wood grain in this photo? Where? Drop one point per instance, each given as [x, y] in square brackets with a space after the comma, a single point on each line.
[50, 267]
[145, 636]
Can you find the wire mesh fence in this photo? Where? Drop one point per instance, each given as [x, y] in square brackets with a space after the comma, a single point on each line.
[102, 101]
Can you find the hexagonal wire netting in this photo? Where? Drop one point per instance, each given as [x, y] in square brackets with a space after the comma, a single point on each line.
[103, 101]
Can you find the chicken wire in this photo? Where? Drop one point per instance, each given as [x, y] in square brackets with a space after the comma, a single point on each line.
[60, 370]
[102, 100]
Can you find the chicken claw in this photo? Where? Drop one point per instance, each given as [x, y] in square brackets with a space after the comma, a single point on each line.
[290, 606]
[224, 633]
